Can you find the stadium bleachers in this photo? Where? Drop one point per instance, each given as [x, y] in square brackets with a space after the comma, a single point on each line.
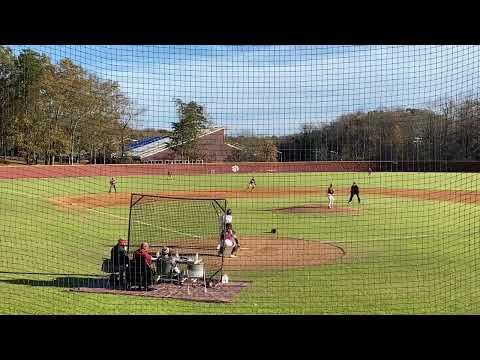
[150, 147]
[143, 142]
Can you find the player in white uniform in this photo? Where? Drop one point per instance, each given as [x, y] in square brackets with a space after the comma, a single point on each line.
[229, 238]
[223, 221]
[330, 193]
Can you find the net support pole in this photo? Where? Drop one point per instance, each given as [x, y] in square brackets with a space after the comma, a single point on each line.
[129, 223]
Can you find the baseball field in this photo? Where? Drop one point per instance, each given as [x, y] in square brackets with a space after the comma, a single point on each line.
[410, 246]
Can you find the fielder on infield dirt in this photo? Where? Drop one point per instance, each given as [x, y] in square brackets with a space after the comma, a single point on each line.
[252, 184]
[113, 184]
[354, 190]
[330, 193]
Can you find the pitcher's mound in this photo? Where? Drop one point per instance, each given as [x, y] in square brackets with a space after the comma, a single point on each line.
[318, 209]
[270, 252]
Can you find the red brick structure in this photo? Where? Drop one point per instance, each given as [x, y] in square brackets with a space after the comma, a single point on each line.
[48, 171]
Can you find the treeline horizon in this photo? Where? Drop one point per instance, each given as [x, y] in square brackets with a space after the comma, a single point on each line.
[453, 133]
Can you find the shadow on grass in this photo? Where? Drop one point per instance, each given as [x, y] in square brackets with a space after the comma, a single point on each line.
[65, 282]
[45, 273]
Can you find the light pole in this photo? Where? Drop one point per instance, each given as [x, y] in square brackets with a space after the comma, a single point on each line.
[417, 140]
[281, 155]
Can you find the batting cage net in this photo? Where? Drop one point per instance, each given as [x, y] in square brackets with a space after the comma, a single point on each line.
[184, 226]
[317, 179]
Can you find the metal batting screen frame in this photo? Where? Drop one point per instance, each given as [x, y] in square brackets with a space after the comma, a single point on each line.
[201, 239]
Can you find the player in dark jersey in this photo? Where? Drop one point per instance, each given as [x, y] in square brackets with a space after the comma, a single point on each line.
[252, 184]
[113, 184]
[354, 190]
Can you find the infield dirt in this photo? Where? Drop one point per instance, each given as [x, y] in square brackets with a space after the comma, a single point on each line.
[123, 198]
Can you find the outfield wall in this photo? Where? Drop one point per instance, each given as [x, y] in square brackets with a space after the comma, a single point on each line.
[48, 171]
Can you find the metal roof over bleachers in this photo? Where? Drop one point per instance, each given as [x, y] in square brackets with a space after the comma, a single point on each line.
[143, 142]
[151, 145]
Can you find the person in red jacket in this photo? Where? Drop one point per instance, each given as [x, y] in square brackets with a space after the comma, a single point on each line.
[142, 267]
[142, 254]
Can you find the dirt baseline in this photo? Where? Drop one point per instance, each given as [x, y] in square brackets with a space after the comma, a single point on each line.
[123, 199]
[317, 209]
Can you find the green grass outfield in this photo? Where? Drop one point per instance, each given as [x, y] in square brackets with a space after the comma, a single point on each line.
[405, 255]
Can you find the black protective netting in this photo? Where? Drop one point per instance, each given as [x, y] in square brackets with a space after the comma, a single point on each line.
[184, 226]
[84, 127]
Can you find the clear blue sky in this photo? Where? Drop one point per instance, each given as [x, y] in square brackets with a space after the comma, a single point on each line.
[273, 90]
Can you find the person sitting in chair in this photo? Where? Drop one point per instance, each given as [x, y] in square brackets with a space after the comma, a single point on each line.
[142, 263]
[228, 238]
[119, 258]
[142, 255]
[118, 254]
[166, 258]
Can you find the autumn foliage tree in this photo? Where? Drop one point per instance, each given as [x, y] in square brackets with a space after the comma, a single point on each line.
[252, 148]
[52, 109]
